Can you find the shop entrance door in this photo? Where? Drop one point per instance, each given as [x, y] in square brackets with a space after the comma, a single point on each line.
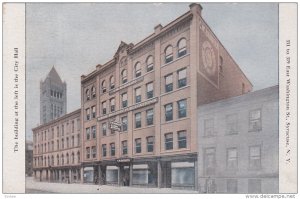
[124, 176]
[166, 174]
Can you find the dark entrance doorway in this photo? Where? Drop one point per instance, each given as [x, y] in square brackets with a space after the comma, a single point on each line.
[124, 175]
[166, 174]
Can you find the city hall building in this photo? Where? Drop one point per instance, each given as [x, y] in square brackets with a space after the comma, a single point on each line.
[138, 115]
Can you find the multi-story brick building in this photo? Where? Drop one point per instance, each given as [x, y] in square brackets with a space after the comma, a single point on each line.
[138, 114]
[57, 149]
[238, 144]
[139, 110]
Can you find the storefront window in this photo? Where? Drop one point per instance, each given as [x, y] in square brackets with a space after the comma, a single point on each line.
[183, 174]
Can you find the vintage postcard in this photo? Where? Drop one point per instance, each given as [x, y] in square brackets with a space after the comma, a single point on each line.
[157, 98]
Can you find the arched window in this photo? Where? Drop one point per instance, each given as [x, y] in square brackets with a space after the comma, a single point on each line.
[181, 47]
[73, 158]
[93, 92]
[68, 158]
[78, 157]
[87, 93]
[57, 160]
[52, 160]
[62, 159]
[124, 76]
[137, 69]
[149, 63]
[103, 86]
[168, 54]
[112, 82]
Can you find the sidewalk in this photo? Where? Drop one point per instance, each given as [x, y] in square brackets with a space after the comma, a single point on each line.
[33, 186]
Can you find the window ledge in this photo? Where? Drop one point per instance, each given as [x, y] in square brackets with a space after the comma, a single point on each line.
[178, 89]
[177, 120]
[178, 58]
[136, 129]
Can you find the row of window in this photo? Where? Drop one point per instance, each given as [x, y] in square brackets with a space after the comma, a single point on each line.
[40, 148]
[56, 94]
[181, 137]
[44, 135]
[90, 132]
[182, 50]
[55, 111]
[255, 123]
[88, 114]
[60, 160]
[254, 156]
[124, 98]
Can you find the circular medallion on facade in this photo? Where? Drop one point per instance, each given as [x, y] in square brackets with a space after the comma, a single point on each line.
[208, 58]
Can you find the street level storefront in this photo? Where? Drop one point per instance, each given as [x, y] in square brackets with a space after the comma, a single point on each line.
[58, 174]
[177, 172]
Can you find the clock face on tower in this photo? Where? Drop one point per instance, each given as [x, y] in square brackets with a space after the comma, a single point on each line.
[208, 58]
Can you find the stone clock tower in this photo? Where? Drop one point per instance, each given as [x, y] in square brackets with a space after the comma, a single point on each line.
[53, 98]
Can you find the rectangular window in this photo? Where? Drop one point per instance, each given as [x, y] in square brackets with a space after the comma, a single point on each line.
[255, 120]
[124, 100]
[254, 157]
[181, 139]
[138, 145]
[182, 105]
[150, 143]
[104, 150]
[74, 126]
[104, 129]
[209, 161]
[209, 127]
[182, 81]
[78, 125]
[149, 115]
[112, 149]
[93, 112]
[87, 112]
[169, 112]
[169, 83]
[231, 124]
[232, 158]
[112, 105]
[93, 132]
[88, 133]
[94, 151]
[254, 185]
[149, 90]
[169, 141]
[104, 108]
[88, 152]
[124, 147]
[232, 186]
[138, 121]
[138, 95]
[124, 123]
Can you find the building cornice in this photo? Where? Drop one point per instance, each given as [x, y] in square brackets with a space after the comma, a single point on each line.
[78, 111]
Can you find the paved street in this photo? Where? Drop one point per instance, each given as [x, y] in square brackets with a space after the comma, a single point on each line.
[33, 186]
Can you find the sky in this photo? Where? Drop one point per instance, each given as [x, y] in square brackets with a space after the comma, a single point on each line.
[75, 37]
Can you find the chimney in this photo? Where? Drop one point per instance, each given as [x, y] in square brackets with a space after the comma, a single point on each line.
[158, 29]
[196, 8]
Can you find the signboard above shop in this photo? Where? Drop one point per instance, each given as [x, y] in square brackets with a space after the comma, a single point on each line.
[115, 126]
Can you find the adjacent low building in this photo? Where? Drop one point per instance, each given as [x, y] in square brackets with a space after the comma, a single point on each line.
[57, 148]
[238, 144]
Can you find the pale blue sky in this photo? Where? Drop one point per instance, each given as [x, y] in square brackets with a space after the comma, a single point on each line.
[75, 37]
